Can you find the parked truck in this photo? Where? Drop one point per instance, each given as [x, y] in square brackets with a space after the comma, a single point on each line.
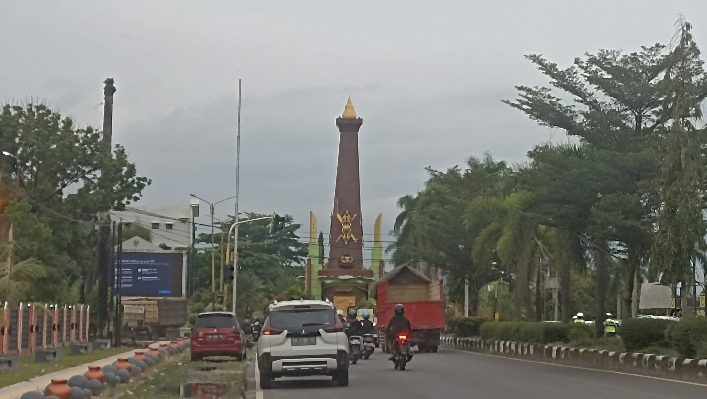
[153, 318]
[423, 298]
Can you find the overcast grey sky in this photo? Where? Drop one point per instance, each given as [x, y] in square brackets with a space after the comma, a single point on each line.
[426, 76]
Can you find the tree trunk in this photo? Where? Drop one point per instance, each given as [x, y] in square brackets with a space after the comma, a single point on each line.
[630, 280]
[522, 290]
[564, 275]
[602, 282]
[473, 300]
[539, 294]
[636, 295]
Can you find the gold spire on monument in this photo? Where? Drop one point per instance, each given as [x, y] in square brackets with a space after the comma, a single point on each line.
[349, 111]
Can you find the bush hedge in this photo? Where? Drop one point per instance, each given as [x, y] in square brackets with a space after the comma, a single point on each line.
[533, 332]
[580, 332]
[689, 336]
[639, 334]
[465, 326]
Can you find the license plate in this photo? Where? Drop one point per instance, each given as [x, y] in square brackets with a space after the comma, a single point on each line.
[300, 341]
[215, 337]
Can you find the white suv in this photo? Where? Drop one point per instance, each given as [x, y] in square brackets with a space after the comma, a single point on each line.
[303, 338]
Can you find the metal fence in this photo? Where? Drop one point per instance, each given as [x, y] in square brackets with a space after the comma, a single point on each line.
[32, 326]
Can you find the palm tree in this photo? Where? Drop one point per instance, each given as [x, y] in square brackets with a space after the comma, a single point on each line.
[404, 231]
[512, 237]
[18, 278]
[250, 294]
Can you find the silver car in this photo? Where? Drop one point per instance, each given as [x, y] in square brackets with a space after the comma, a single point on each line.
[303, 338]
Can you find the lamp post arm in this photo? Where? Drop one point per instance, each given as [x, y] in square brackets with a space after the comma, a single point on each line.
[233, 226]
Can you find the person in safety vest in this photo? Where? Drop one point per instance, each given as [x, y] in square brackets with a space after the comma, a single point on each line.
[610, 325]
[579, 318]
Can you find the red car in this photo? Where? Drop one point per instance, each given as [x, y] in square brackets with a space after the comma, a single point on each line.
[217, 334]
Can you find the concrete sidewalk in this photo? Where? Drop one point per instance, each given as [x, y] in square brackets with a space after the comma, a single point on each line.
[40, 382]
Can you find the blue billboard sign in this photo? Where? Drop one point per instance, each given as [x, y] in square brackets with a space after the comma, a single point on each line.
[151, 274]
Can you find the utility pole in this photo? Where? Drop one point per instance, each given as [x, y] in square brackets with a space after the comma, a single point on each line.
[238, 177]
[118, 323]
[221, 256]
[104, 216]
[466, 296]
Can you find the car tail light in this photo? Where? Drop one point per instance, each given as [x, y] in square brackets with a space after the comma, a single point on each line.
[402, 337]
[271, 331]
[338, 327]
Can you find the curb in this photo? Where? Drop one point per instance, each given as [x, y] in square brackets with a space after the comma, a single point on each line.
[675, 368]
[250, 387]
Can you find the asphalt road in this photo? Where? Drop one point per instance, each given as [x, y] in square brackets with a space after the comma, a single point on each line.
[452, 374]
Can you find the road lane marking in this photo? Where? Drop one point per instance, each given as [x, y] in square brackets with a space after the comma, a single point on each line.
[258, 391]
[581, 368]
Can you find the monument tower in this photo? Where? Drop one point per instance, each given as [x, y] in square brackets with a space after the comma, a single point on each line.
[346, 229]
[341, 276]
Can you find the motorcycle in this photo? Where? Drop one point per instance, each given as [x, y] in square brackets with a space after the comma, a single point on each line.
[355, 342]
[255, 331]
[368, 345]
[402, 351]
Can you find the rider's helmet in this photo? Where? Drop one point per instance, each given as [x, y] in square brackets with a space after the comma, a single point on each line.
[366, 315]
[352, 313]
[399, 309]
[580, 315]
[609, 316]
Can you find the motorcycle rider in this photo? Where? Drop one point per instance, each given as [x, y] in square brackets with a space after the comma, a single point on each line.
[342, 319]
[354, 325]
[398, 323]
[366, 323]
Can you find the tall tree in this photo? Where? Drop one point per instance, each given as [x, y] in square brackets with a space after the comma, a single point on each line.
[442, 236]
[613, 110]
[50, 154]
[681, 224]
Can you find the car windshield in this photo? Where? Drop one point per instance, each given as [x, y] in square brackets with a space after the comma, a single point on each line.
[298, 318]
[214, 321]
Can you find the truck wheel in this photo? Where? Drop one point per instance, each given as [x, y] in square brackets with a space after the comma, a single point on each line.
[342, 377]
[434, 349]
[265, 380]
[195, 358]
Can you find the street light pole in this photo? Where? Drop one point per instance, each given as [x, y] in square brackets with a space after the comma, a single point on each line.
[212, 206]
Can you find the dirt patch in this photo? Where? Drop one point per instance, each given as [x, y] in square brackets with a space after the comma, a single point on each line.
[205, 379]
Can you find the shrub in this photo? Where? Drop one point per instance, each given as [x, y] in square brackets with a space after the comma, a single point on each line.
[689, 335]
[465, 326]
[639, 334]
[580, 332]
[533, 332]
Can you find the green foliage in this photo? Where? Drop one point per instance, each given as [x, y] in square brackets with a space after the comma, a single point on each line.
[431, 226]
[689, 335]
[61, 177]
[465, 326]
[681, 225]
[641, 333]
[532, 332]
[580, 332]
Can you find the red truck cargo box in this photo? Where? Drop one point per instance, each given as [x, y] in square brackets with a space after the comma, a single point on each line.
[422, 315]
